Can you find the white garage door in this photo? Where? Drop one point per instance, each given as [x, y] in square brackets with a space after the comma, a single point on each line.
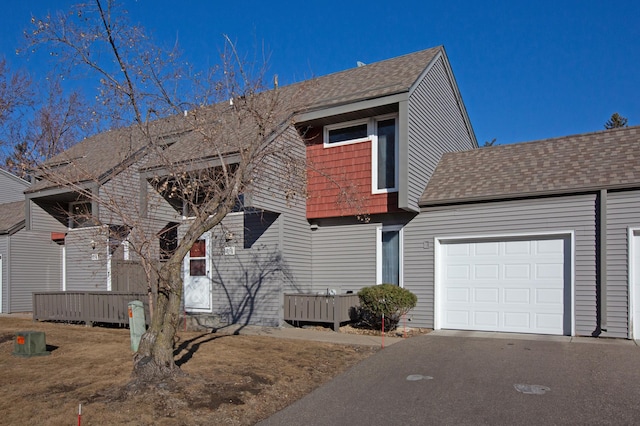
[512, 286]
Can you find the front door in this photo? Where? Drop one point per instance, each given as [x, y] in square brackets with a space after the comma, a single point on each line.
[197, 281]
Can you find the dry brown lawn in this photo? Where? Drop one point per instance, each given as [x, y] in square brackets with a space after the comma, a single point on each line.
[231, 379]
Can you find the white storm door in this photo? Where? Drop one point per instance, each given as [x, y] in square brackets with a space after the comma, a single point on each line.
[197, 281]
[509, 286]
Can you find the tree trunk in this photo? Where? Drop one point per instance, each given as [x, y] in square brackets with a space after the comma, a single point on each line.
[155, 358]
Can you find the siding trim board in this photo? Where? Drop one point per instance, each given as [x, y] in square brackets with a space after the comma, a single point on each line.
[633, 237]
[439, 257]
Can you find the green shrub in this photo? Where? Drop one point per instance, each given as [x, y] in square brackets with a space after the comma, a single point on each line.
[389, 300]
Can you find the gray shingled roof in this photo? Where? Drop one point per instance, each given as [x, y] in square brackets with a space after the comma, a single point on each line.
[371, 81]
[11, 217]
[601, 160]
[95, 158]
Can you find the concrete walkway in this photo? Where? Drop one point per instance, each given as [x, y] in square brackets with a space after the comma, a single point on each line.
[316, 335]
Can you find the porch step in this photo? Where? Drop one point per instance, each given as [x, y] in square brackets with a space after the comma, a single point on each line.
[201, 322]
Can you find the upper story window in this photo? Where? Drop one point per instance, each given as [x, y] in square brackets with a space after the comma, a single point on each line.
[383, 133]
[387, 162]
[347, 133]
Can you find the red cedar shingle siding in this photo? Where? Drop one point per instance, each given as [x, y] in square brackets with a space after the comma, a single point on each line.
[339, 182]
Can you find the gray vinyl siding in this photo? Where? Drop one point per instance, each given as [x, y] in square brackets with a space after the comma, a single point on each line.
[248, 286]
[436, 126]
[123, 191]
[572, 213]
[344, 257]
[83, 273]
[43, 221]
[11, 188]
[36, 265]
[4, 272]
[277, 182]
[623, 212]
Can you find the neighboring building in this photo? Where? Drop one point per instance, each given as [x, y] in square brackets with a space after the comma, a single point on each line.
[29, 261]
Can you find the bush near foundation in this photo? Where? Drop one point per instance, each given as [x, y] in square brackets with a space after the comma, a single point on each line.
[388, 299]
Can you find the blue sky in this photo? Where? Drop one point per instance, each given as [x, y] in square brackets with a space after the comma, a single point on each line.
[526, 70]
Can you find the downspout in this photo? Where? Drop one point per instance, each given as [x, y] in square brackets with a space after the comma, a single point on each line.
[603, 260]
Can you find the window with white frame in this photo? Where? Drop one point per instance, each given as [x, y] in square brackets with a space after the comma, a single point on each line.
[389, 255]
[346, 133]
[383, 133]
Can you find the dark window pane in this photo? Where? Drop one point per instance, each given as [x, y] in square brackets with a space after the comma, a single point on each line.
[391, 257]
[387, 154]
[348, 133]
[197, 268]
[168, 240]
[198, 249]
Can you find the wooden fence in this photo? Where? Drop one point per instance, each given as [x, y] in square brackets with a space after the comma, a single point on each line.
[332, 309]
[87, 306]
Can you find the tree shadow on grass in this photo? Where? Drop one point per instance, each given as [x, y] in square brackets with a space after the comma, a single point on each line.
[191, 346]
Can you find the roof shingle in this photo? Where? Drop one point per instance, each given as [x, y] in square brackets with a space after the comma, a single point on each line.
[601, 160]
[11, 216]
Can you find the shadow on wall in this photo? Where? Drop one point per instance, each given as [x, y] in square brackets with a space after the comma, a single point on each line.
[247, 288]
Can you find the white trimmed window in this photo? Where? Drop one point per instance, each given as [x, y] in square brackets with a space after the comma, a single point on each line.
[389, 252]
[347, 133]
[383, 133]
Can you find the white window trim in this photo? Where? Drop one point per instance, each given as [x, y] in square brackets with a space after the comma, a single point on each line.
[373, 137]
[374, 156]
[379, 230]
[370, 131]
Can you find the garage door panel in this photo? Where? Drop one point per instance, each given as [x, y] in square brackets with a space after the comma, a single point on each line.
[549, 271]
[486, 295]
[486, 272]
[455, 250]
[517, 295]
[517, 272]
[517, 248]
[515, 286]
[458, 295]
[549, 247]
[548, 321]
[516, 321]
[486, 249]
[460, 272]
[485, 319]
[458, 318]
[549, 296]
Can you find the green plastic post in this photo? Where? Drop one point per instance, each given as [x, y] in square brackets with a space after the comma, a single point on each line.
[137, 325]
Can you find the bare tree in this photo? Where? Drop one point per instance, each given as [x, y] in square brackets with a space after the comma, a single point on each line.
[199, 144]
[50, 126]
[15, 91]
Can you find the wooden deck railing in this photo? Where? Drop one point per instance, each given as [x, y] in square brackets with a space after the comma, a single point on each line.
[86, 306]
[332, 309]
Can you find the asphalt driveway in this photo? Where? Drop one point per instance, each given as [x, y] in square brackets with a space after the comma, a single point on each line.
[440, 379]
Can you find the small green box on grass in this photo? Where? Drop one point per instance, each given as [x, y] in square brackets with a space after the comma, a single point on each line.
[30, 343]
